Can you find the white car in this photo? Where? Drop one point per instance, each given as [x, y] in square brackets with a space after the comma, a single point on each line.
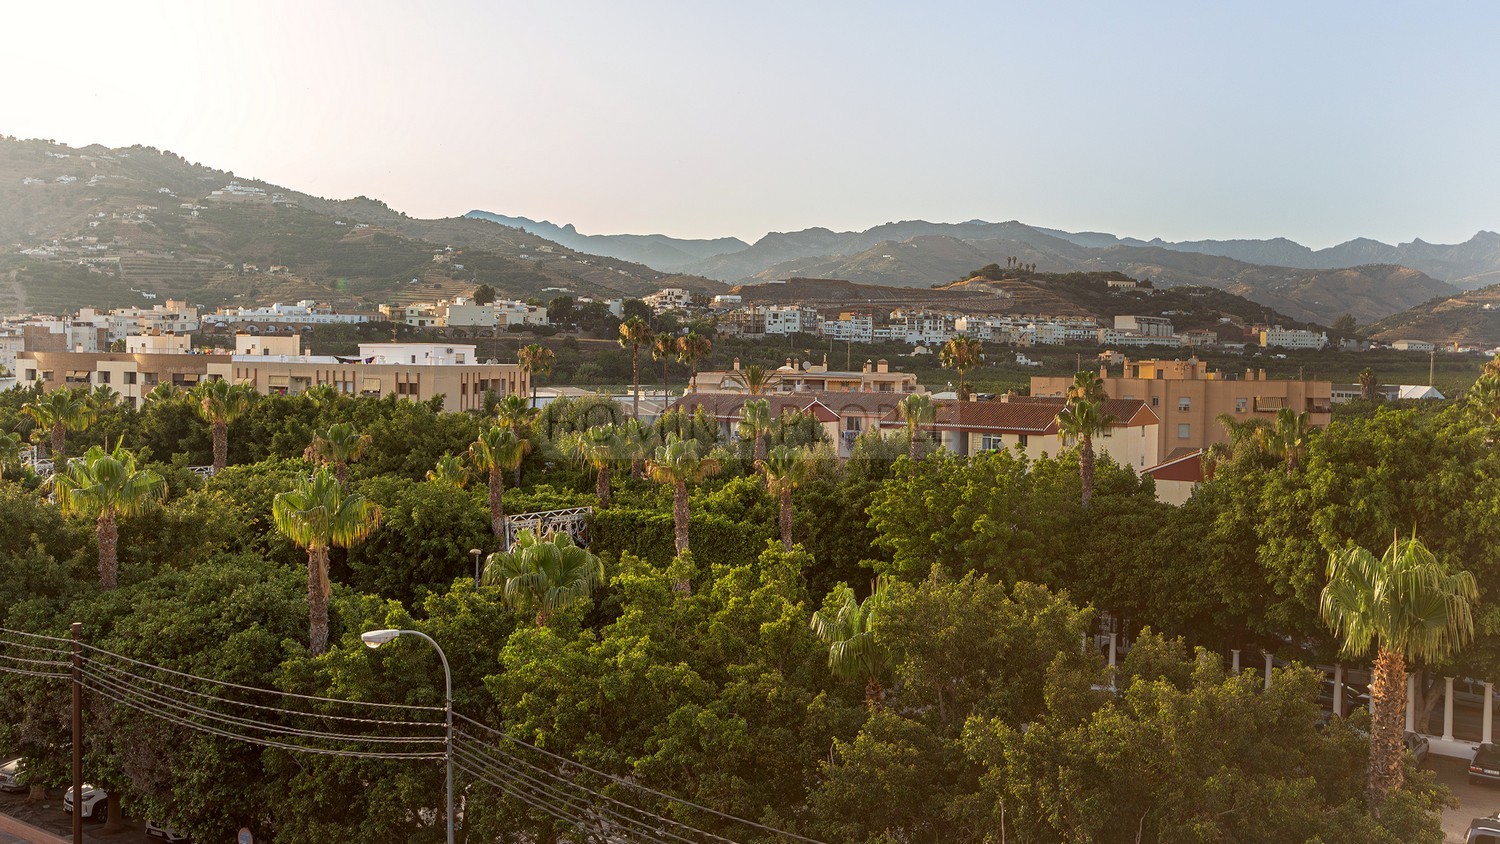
[93, 801]
[156, 830]
[10, 774]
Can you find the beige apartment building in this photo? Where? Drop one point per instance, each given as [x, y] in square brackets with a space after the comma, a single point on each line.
[873, 377]
[1188, 398]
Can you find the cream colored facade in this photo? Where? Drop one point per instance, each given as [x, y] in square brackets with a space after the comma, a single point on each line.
[1135, 446]
[1188, 398]
[158, 344]
[874, 377]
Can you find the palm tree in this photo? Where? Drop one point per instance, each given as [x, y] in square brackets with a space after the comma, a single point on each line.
[104, 396]
[10, 451]
[163, 393]
[961, 353]
[597, 447]
[679, 463]
[497, 451]
[514, 414]
[636, 442]
[756, 378]
[107, 486]
[338, 446]
[1289, 437]
[550, 575]
[786, 469]
[916, 410]
[635, 333]
[59, 412]
[219, 403]
[317, 514]
[1087, 385]
[755, 425]
[322, 395]
[535, 359]
[691, 348]
[663, 348]
[1407, 606]
[1367, 384]
[1081, 420]
[849, 632]
[449, 470]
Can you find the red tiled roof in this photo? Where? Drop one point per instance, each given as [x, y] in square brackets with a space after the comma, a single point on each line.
[1183, 465]
[825, 406]
[1025, 416]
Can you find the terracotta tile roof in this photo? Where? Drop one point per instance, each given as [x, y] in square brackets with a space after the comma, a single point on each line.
[825, 406]
[1022, 415]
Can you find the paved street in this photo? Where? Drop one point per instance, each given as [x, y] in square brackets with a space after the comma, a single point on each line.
[1474, 801]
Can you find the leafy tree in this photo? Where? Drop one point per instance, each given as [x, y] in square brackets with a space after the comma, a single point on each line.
[483, 294]
[338, 446]
[219, 403]
[786, 469]
[317, 514]
[916, 410]
[961, 354]
[1081, 420]
[755, 424]
[10, 451]
[560, 311]
[1405, 605]
[107, 486]
[598, 448]
[57, 413]
[677, 464]
[635, 333]
[535, 360]
[548, 575]
[497, 451]
[847, 626]
[693, 347]
[1289, 437]
[1345, 326]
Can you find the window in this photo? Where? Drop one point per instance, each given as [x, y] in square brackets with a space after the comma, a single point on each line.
[1241, 404]
[991, 442]
[102, 376]
[1155, 401]
[1021, 440]
[1109, 430]
[129, 377]
[1184, 404]
[31, 375]
[1184, 431]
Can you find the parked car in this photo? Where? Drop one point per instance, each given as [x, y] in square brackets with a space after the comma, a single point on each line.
[156, 830]
[1483, 831]
[1353, 697]
[1485, 765]
[93, 801]
[1416, 745]
[10, 774]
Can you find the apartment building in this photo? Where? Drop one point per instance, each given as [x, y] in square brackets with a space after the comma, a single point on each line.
[1292, 338]
[790, 377]
[1188, 397]
[1029, 424]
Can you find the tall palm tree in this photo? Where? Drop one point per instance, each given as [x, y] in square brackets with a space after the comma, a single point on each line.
[497, 451]
[598, 448]
[1080, 421]
[636, 442]
[1289, 436]
[961, 353]
[548, 575]
[849, 632]
[916, 410]
[1367, 384]
[104, 396]
[514, 414]
[535, 360]
[755, 424]
[1406, 605]
[162, 393]
[677, 464]
[338, 446]
[1087, 385]
[691, 348]
[107, 486]
[317, 514]
[635, 333]
[664, 349]
[450, 470]
[219, 403]
[10, 451]
[786, 469]
[57, 413]
[756, 378]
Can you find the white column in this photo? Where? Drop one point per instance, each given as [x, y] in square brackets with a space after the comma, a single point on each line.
[1411, 702]
[1489, 712]
[1338, 689]
[1235, 661]
[1447, 709]
[1268, 668]
[1113, 640]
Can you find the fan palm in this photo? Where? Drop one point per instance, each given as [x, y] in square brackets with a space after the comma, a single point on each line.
[163, 393]
[450, 470]
[1367, 384]
[317, 515]
[104, 396]
[535, 360]
[57, 413]
[516, 415]
[756, 378]
[961, 353]
[548, 575]
[1087, 385]
[1080, 421]
[107, 486]
[497, 451]
[916, 410]
[664, 349]
[10, 451]
[1289, 436]
[338, 446]
[635, 333]
[677, 464]
[849, 632]
[636, 443]
[1405, 605]
[693, 347]
[755, 425]
[597, 448]
[786, 469]
[219, 403]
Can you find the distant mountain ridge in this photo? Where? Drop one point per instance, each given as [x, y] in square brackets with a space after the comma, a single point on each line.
[654, 250]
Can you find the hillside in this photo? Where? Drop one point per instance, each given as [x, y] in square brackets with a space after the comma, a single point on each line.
[98, 226]
[655, 250]
[1471, 318]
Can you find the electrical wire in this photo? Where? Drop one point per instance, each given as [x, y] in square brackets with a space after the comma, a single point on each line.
[28, 661]
[30, 673]
[58, 639]
[190, 710]
[63, 651]
[525, 798]
[515, 771]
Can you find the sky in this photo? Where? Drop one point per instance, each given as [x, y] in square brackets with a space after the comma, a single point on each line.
[1319, 122]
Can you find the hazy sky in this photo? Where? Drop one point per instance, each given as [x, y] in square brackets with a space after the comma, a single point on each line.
[1316, 121]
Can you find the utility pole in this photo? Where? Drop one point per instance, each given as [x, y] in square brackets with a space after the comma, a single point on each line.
[77, 732]
[1431, 365]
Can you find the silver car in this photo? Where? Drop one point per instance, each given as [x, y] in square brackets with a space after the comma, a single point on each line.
[11, 772]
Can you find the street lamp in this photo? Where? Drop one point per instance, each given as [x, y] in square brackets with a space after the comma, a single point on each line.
[475, 552]
[374, 639]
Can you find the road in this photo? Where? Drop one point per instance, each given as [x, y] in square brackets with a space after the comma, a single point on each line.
[1474, 801]
[48, 815]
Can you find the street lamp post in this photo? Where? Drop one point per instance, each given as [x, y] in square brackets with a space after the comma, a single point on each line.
[475, 552]
[374, 639]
